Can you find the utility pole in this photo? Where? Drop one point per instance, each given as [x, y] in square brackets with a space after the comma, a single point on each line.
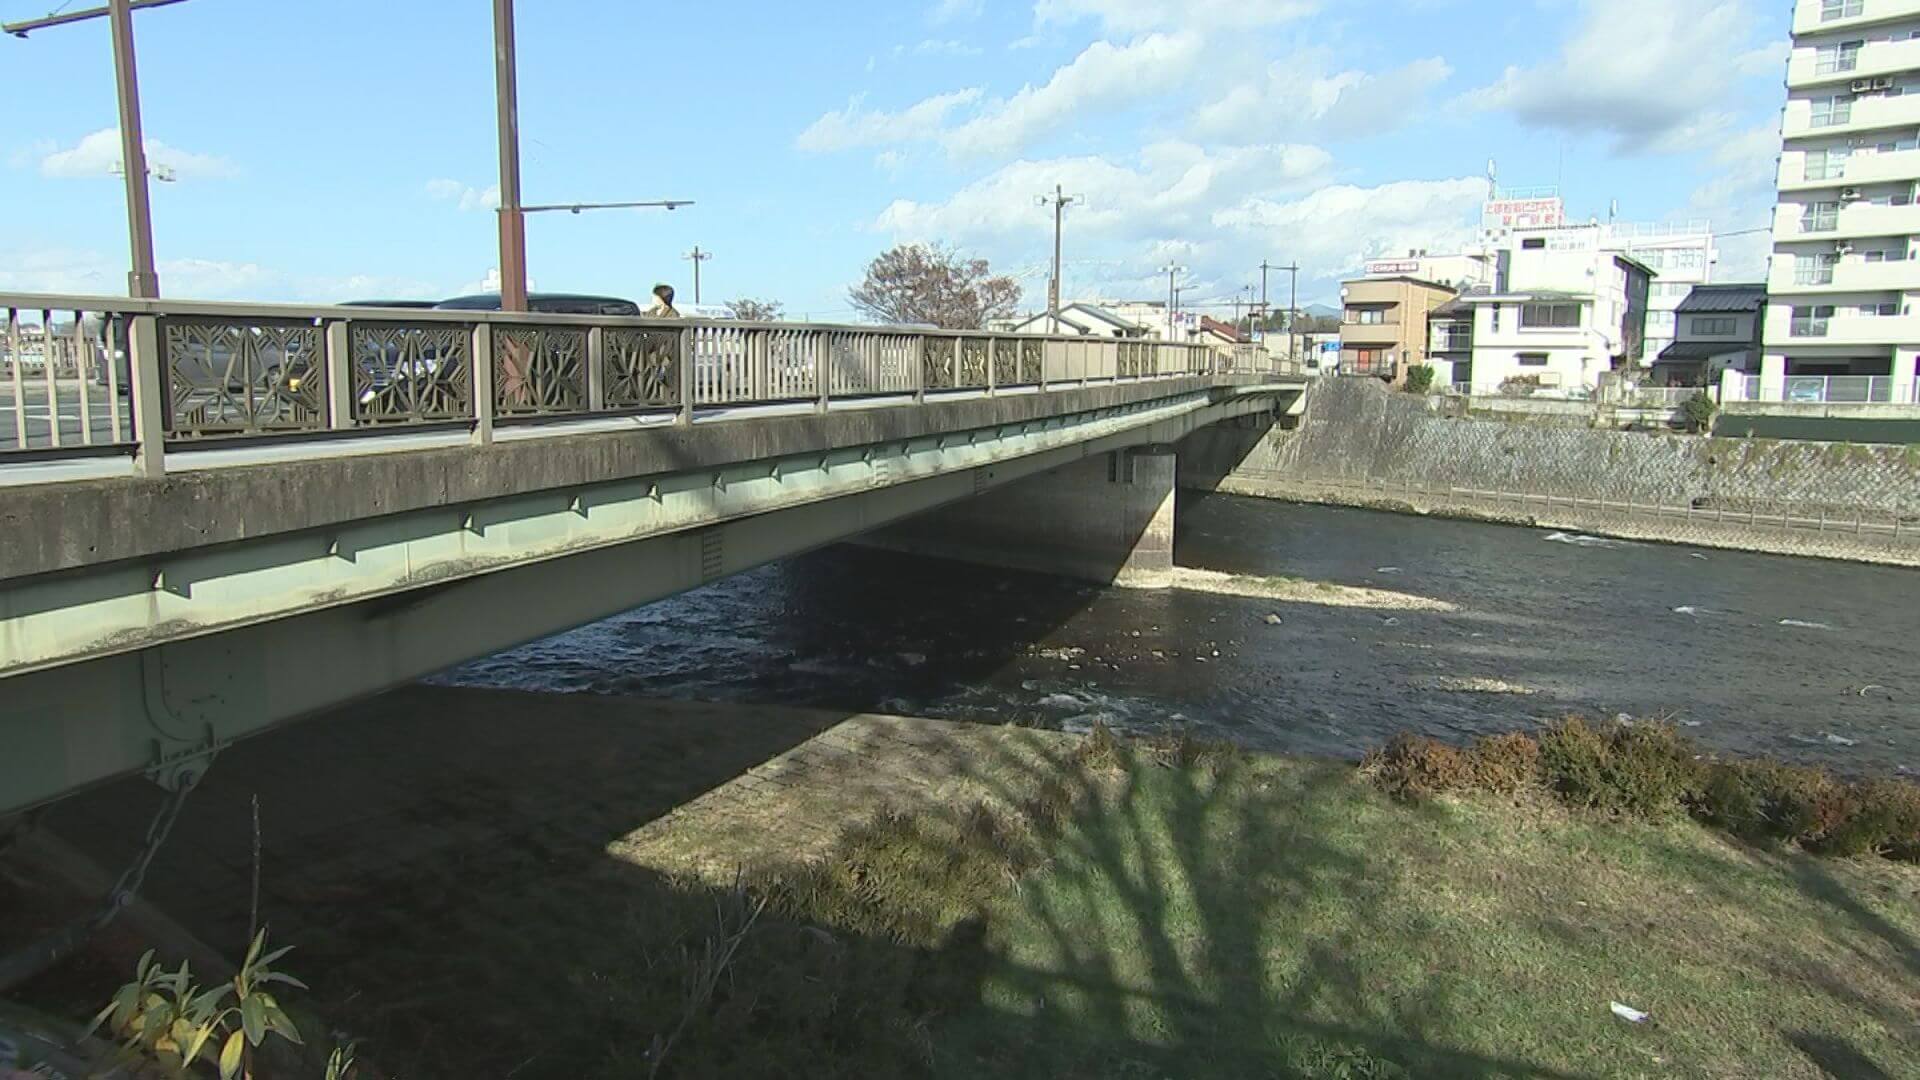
[143, 280]
[1171, 270]
[696, 256]
[1059, 200]
[513, 221]
[1293, 303]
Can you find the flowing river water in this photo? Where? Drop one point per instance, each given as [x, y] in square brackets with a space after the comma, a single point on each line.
[1302, 629]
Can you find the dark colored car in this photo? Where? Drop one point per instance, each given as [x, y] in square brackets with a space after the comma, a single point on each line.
[546, 304]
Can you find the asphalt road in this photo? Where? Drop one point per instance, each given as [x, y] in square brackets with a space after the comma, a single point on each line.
[97, 429]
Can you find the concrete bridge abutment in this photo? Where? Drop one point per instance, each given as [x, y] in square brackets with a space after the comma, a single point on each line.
[1108, 518]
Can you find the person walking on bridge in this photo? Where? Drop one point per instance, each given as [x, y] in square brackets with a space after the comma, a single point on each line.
[662, 303]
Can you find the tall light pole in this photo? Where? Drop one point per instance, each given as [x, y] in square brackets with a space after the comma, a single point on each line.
[143, 280]
[513, 220]
[696, 256]
[1059, 200]
[1171, 270]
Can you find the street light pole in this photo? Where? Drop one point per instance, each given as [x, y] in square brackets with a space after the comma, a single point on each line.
[1059, 200]
[1170, 270]
[513, 221]
[143, 281]
[1293, 303]
[696, 256]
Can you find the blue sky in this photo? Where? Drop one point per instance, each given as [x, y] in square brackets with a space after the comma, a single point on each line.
[346, 150]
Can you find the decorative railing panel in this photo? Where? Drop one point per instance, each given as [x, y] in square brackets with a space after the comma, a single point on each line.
[938, 363]
[642, 368]
[722, 371]
[973, 362]
[411, 372]
[539, 370]
[1030, 362]
[864, 363]
[1006, 361]
[242, 377]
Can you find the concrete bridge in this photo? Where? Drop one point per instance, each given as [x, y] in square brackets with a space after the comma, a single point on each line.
[221, 517]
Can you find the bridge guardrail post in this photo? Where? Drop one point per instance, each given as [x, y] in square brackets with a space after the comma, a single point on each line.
[686, 389]
[919, 369]
[149, 394]
[990, 361]
[823, 370]
[483, 384]
[596, 369]
[337, 352]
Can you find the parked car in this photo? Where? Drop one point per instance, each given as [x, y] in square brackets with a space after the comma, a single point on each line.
[546, 304]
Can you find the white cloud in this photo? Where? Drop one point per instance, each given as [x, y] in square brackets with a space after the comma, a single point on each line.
[854, 126]
[1101, 77]
[1739, 198]
[1173, 187]
[1128, 16]
[84, 272]
[946, 11]
[1650, 73]
[1341, 225]
[98, 154]
[1295, 96]
[937, 47]
[466, 196]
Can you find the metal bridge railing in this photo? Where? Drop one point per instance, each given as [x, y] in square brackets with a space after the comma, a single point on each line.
[80, 373]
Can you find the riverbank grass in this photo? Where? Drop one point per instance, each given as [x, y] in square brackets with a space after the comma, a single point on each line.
[1106, 908]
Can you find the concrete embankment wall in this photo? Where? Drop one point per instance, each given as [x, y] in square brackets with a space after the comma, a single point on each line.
[1358, 443]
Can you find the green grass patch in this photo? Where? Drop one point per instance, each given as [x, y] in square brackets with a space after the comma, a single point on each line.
[1175, 908]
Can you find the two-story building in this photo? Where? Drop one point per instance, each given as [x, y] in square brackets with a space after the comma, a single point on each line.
[1383, 327]
[1719, 328]
[1450, 342]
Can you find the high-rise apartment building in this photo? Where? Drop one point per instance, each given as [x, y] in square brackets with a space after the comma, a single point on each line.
[1842, 323]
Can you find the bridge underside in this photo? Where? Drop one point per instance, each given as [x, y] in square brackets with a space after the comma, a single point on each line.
[158, 660]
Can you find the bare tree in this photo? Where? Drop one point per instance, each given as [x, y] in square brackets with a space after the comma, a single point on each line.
[920, 283]
[747, 309]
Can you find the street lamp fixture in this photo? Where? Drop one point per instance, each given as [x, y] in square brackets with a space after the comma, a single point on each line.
[574, 208]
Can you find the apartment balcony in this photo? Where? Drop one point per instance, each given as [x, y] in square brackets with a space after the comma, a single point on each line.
[1842, 328]
[1874, 58]
[1852, 275]
[1854, 220]
[1369, 334]
[1861, 170]
[1807, 20]
[1869, 112]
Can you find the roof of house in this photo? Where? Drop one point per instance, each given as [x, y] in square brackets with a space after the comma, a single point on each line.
[1725, 298]
[1457, 306]
[1525, 294]
[1085, 318]
[1211, 325]
[1408, 278]
[1686, 352]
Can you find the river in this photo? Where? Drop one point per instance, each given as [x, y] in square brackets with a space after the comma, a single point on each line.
[1468, 628]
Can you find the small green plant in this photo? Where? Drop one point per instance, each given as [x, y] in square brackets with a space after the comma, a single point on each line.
[1699, 411]
[1419, 379]
[164, 1018]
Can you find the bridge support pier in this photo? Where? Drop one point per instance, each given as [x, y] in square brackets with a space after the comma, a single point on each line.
[1107, 518]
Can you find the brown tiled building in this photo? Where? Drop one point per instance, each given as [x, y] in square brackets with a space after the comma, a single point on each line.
[1383, 328]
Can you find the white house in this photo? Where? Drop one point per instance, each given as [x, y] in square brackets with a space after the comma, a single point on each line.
[1570, 308]
[1083, 319]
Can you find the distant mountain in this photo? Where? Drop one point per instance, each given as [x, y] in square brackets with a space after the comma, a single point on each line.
[1320, 310]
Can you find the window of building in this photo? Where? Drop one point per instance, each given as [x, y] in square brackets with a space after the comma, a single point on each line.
[1366, 316]
[1890, 307]
[1712, 327]
[1827, 164]
[1843, 56]
[1531, 359]
[1369, 360]
[1820, 217]
[1549, 316]
[1840, 9]
[1534, 243]
[1496, 318]
[1837, 109]
[1811, 321]
[1816, 269]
